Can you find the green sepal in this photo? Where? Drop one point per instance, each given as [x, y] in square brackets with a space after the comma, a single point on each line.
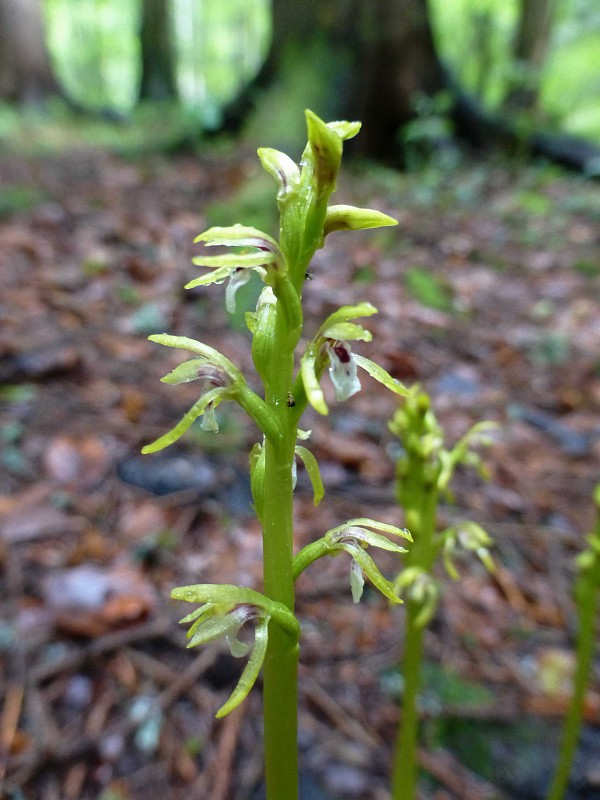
[214, 396]
[312, 468]
[371, 570]
[345, 314]
[251, 670]
[238, 236]
[213, 628]
[283, 170]
[312, 387]
[347, 332]
[345, 130]
[377, 372]
[367, 522]
[185, 372]
[238, 595]
[198, 348]
[196, 614]
[325, 151]
[350, 218]
[231, 261]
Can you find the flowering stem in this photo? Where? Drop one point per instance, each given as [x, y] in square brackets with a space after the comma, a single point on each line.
[587, 591]
[405, 771]
[280, 692]
[422, 473]
[276, 326]
[421, 516]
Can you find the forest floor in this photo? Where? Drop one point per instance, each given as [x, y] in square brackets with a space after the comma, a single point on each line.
[488, 294]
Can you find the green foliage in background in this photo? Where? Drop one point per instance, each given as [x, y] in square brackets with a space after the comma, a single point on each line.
[95, 50]
[475, 38]
[220, 46]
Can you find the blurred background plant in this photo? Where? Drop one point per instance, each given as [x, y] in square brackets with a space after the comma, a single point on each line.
[424, 470]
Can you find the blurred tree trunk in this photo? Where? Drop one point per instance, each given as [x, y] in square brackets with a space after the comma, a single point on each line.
[26, 74]
[529, 52]
[360, 60]
[158, 72]
[397, 63]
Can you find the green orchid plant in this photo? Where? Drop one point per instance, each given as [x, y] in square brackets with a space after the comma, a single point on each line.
[423, 475]
[290, 382]
[587, 599]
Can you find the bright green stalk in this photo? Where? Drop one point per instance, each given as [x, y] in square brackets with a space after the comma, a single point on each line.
[587, 591]
[405, 765]
[280, 693]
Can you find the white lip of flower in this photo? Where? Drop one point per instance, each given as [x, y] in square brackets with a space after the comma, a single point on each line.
[342, 369]
[213, 377]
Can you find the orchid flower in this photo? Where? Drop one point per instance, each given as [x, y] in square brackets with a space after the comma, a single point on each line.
[330, 348]
[264, 257]
[354, 537]
[224, 611]
[221, 380]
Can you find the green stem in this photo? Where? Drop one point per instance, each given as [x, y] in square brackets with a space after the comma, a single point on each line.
[308, 554]
[280, 693]
[405, 771]
[588, 607]
[421, 497]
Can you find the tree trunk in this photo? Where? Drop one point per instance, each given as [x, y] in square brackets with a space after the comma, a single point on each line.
[529, 52]
[26, 74]
[360, 60]
[397, 63]
[158, 73]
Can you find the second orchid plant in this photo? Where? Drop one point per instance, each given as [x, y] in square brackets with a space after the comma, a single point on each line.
[291, 381]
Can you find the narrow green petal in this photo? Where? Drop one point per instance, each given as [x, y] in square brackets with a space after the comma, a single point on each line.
[377, 372]
[325, 152]
[212, 629]
[207, 610]
[382, 542]
[238, 595]
[350, 218]
[347, 332]
[366, 522]
[284, 171]
[345, 314]
[251, 670]
[345, 130]
[238, 236]
[213, 396]
[371, 570]
[197, 612]
[217, 276]
[200, 349]
[234, 260]
[312, 468]
[186, 372]
[312, 387]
